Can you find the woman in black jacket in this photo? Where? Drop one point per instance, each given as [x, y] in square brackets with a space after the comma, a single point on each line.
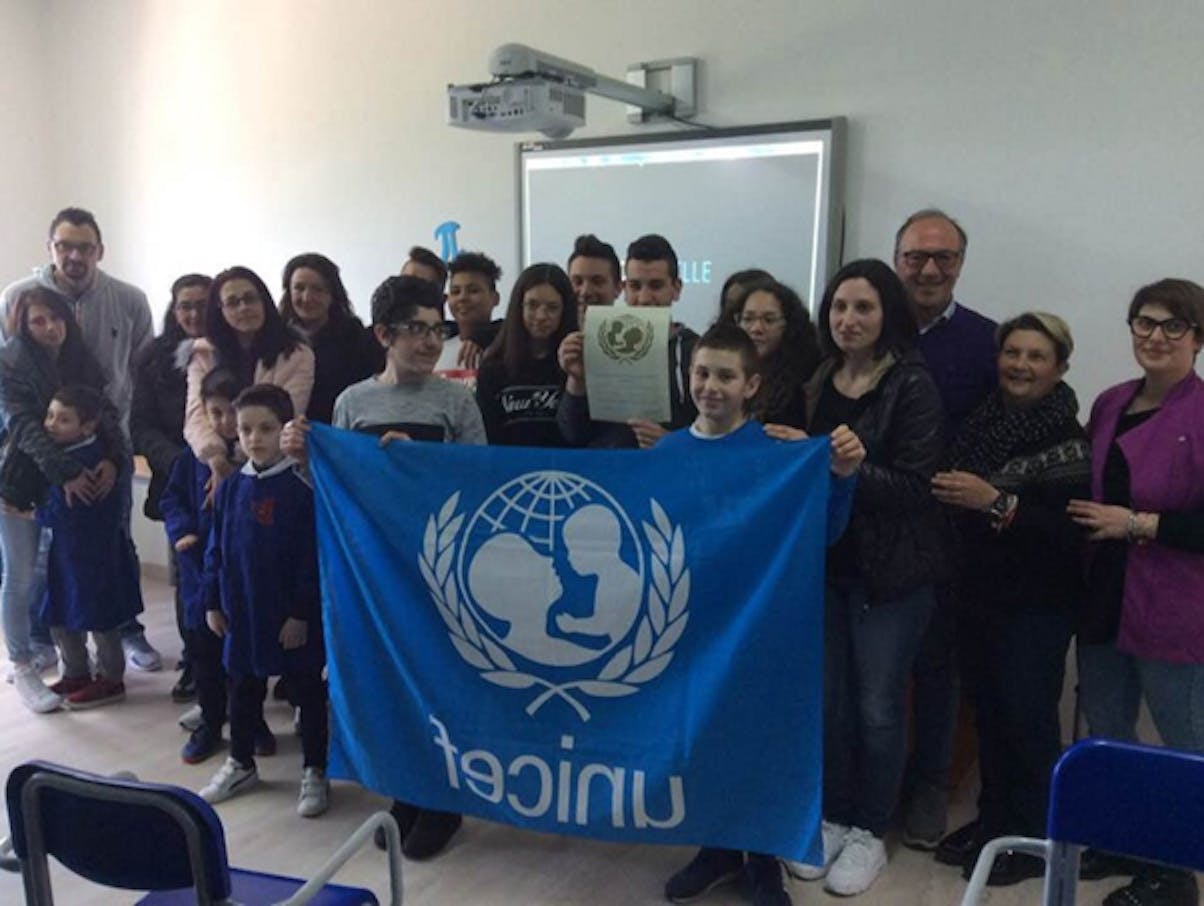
[1016, 462]
[520, 383]
[157, 413]
[882, 571]
[345, 352]
[46, 351]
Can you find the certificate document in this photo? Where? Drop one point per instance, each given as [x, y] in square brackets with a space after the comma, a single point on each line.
[627, 363]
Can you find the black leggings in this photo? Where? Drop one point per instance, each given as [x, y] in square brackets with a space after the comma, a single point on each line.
[246, 713]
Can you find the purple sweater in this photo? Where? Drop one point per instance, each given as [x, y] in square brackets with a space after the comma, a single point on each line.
[961, 353]
[1162, 615]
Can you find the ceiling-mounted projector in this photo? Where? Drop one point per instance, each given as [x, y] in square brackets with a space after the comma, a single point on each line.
[518, 105]
[533, 91]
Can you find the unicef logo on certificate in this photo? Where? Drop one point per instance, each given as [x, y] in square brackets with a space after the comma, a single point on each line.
[549, 586]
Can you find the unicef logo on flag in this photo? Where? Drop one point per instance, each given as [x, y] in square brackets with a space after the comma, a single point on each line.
[549, 585]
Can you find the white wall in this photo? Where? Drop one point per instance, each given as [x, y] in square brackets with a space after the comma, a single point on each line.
[25, 186]
[1066, 136]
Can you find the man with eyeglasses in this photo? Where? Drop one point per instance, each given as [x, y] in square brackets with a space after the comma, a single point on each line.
[113, 316]
[957, 342]
[959, 345]
[115, 320]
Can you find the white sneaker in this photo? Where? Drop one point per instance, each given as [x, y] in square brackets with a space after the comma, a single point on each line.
[140, 654]
[230, 780]
[34, 694]
[191, 719]
[315, 793]
[858, 865]
[833, 837]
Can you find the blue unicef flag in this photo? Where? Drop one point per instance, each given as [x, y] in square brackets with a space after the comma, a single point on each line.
[616, 644]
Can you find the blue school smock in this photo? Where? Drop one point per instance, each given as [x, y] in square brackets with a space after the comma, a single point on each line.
[92, 580]
[261, 567]
[182, 504]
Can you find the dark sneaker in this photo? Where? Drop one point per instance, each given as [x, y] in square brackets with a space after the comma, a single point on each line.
[1010, 868]
[265, 741]
[765, 881]
[70, 684]
[185, 688]
[709, 869]
[1157, 886]
[96, 693]
[280, 691]
[404, 814]
[203, 743]
[961, 846]
[1095, 865]
[430, 834]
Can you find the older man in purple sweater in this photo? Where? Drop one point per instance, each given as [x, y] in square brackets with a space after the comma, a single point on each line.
[959, 346]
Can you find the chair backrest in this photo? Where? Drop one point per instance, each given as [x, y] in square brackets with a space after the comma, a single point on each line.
[1131, 799]
[115, 832]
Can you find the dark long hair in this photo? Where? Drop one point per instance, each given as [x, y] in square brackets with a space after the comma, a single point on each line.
[513, 343]
[75, 363]
[273, 339]
[787, 369]
[898, 326]
[340, 304]
[172, 331]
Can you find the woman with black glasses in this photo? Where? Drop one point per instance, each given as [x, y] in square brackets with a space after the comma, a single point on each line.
[1143, 632]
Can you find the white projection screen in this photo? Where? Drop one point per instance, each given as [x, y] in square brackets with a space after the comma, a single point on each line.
[727, 199]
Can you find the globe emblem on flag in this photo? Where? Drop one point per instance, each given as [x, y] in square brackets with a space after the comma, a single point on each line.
[550, 584]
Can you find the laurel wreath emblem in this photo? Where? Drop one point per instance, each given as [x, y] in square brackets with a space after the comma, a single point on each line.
[632, 322]
[640, 661]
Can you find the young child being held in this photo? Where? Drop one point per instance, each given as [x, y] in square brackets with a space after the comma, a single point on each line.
[723, 382]
[188, 520]
[262, 598]
[92, 581]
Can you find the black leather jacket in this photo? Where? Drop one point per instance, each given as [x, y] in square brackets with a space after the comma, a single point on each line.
[901, 534]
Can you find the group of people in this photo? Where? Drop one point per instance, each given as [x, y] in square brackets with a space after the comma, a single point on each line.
[977, 528]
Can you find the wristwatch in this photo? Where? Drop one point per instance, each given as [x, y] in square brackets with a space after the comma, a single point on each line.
[998, 510]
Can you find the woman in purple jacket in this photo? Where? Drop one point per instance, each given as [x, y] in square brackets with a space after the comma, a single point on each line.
[1143, 632]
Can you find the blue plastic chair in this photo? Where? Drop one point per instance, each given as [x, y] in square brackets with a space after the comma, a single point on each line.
[132, 835]
[1130, 800]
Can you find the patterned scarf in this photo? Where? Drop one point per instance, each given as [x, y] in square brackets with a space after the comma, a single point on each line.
[992, 433]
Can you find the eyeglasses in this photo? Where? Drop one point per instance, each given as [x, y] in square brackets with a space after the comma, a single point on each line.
[247, 300]
[770, 321]
[63, 247]
[420, 329]
[1172, 328]
[944, 258]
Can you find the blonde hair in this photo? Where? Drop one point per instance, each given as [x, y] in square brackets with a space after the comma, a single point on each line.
[1045, 323]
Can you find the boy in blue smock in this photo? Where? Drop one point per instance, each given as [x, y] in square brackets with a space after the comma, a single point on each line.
[262, 598]
[187, 517]
[92, 582]
[723, 381]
